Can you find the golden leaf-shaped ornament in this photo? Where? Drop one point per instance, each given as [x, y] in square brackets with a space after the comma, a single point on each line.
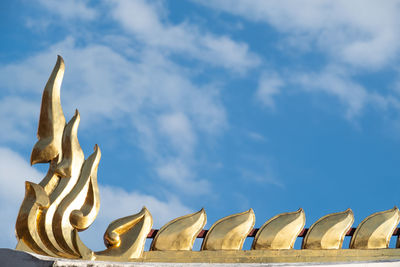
[376, 230]
[180, 233]
[329, 231]
[280, 232]
[230, 232]
[126, 237]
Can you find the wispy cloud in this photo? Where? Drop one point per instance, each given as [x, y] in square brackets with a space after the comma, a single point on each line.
[351, 38]
[359, 33]
[264, 177]
[163, 106]
[149, 23]
[338, 83]
[178, 130]
[269, 85]
[70, 9]
[178, 173]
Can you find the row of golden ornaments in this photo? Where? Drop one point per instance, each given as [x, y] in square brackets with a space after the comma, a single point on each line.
[280, 232]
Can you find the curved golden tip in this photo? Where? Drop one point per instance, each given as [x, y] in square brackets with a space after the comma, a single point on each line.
[125, 237]
[60, 62]
[41, 197]
[72, 154]
[350, 211]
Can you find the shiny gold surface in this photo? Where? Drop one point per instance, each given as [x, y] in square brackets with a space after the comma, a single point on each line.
[67, 201]
[35, 201]
[180, 233]
[229, 232]
[376, 230]
[329, 231]
[52, 121]
[280, 232]
[126, 237]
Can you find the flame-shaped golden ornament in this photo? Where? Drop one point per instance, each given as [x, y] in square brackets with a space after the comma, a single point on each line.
[329, 231]
[67, 201]
[376, 230]
[230, 232]
[180, 233]
[281, 231]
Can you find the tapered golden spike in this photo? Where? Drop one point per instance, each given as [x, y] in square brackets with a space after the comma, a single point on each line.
[329, 231]
[180, 233]
[280, 232]
[230, 232]
[126, 237]
[73, 157]
[69, 168]
[376, 230]
[52, 120]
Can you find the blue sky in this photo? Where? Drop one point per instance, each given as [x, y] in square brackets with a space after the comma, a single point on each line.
[229, 105]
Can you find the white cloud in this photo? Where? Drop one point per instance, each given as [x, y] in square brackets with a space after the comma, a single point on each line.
[147, 21]
[178, 173]
[70, 9]
[17, 116]
[152, 96]
[178, 129]
[259, 169]
[263, 177]
[257, 137]
[356, 37]
[269, 85]
[338, 83]
[360, 33]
